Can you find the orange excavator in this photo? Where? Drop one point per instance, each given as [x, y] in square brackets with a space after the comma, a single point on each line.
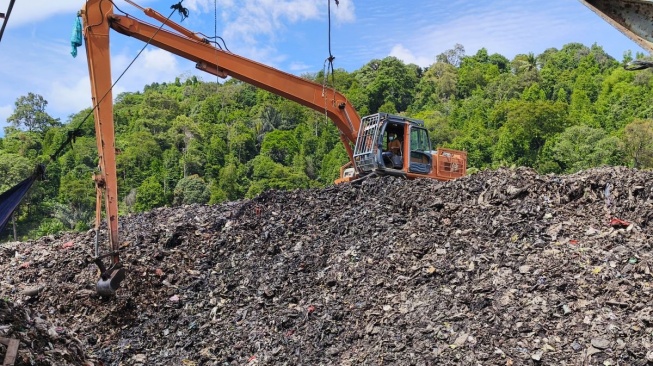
[367, 140]
[371, 142]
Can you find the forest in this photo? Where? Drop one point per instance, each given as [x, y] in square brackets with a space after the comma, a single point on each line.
[192, 141]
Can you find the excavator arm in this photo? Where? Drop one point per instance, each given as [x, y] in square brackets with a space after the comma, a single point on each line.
[106, 180]
[223, 64]
[99, 18]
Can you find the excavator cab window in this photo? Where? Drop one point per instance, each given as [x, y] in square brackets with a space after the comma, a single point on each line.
[392, 146]
[420, 151]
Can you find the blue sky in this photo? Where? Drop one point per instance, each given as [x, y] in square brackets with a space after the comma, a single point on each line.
[288, 34]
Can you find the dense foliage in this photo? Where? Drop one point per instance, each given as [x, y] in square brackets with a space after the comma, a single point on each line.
[190, 141]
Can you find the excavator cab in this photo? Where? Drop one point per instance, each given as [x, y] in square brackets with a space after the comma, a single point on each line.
[395, 145]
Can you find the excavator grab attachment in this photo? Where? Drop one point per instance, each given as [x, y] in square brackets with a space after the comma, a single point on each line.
[110, 279]
[630, 17]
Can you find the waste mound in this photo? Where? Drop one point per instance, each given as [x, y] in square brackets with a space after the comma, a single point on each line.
[503, 267]
[42, 342]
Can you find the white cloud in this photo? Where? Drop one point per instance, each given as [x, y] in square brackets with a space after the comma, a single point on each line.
[204, 6]
[5, 112]
[32, 11]
[253, 28]
[64, 82]
[299, 67]
[345, 12]
[65, 97]
[501, 26]
[39, 67]
[245, 22]
[404, 54]
[153, 65]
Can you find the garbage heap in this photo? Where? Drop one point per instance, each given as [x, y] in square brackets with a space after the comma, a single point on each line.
[503, 267]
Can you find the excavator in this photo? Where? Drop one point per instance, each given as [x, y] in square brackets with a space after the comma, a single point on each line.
[367, 140]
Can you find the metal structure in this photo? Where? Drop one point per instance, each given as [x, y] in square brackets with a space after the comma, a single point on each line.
[5, 17]
[634, 18]
[365, 149]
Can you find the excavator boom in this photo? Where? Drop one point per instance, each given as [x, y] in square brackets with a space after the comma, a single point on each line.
[222, 63]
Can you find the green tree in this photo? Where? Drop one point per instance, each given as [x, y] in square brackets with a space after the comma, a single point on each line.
[139, 151]
[527, 127]
[268, 174]
[389, 80]
[438, 85]
[77, 196]
[440, 131]
[242, 142]
[30, 112]
[13, 169]
[280, 146]
[216, 152]
[149, 195]
[582, 147]
[265, 123]
[453, 56]
[524, 63]
[621, 100]
[23, 143]
[187, 138]
[331, 163]
[232, 183]
[638, 143]
[170, 172]
[191, 190]
[477, 71]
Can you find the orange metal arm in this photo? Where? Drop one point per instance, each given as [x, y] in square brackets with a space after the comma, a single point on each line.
[223, 64]
[96, 34]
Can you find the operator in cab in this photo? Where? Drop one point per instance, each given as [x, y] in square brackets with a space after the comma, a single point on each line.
[394, 145]
[392, 156]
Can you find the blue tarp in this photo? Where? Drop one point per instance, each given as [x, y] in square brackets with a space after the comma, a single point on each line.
[10, 199]
[76, 37]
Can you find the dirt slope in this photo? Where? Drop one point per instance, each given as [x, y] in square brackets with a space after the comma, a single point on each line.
[499, 268]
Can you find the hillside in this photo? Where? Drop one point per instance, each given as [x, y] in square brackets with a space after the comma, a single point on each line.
[498, 268]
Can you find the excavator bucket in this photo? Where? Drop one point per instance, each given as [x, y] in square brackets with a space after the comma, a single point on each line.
[634, 18]
[110, 278]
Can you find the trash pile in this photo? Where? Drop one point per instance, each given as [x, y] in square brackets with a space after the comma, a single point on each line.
[503, 267]
[41, 341]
